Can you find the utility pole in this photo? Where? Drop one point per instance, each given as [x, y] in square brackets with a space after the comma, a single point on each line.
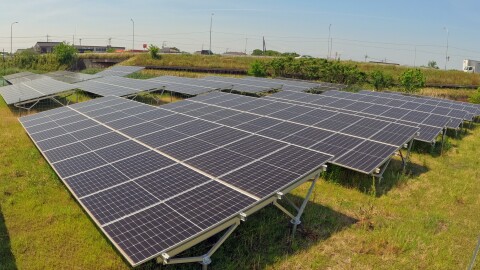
[246, 40]
[446, 52]
[11, 38]
[264, 46]
[133, 35]
[366, 56]
[110, 42]
[47, 37]
[80, 41]
[211, 20]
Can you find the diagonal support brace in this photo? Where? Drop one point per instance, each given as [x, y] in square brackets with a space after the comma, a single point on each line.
[205, 259]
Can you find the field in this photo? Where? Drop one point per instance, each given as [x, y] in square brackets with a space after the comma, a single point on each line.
[426, 218]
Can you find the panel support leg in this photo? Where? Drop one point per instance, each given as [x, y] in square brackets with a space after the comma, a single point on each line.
[443, 140]
[406, 159]
[205, 259]
[475, 253]
[296, 218]
[296, 221]
[380, 172]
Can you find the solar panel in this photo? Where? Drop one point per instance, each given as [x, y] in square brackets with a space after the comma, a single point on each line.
[452, 108]
[411, 104]
[159, 190]
[21, 77]
[71, 77]
[119, 71]
[33, 90]
[187, 87]
[117, 86]
[288, 128]
[427, 133]
[244, 86]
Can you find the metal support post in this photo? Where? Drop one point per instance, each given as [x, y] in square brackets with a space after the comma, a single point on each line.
[443, 140]
[205, 259]
[475, 253]
[380, 172]
[296, 220]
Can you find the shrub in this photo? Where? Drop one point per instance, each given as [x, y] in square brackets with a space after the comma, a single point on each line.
[153, 50]
[66, 54]
[26, 59]
[380, 80]
[475, 98]
[257, 69]
[412, 80]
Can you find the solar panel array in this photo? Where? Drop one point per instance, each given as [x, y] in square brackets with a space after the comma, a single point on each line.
[70, 77]
[423, 101]
[188, 86]
[299, 85]
[419, 111]
[356, 142]
[21, 77]
[31, 90]
[152, 178]
[245, 86]
[429, 126]
[117, 86]
[119, 71]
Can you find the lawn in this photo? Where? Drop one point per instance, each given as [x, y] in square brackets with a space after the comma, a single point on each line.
[428, 218]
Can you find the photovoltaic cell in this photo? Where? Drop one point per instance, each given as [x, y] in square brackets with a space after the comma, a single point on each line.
[118, 201]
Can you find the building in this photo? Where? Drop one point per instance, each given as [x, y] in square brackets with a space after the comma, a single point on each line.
[47, 47]
[169, 50]
[204, 52]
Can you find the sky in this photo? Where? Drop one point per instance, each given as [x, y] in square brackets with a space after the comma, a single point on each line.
[405, 32]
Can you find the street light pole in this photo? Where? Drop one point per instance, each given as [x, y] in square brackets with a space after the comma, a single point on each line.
[133, 35]
[11, 38]
[328, 41]
[446, 52]
[210, 47]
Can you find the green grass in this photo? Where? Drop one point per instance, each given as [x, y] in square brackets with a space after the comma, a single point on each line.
[427, 218]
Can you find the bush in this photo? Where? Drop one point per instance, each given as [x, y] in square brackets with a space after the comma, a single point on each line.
[412, 80]
[475, 98]
[380, 80]
[66, 54]
[26, 59]
[257, 69]
[153, 50]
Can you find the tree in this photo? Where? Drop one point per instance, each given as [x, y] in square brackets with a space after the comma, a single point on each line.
[153, 50]
[380, 80]
[257, 52]
[65, 53]
[412, 80]
[432, 64]
[257, 69]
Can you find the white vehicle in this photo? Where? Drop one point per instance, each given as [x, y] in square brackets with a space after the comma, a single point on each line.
[471, 66]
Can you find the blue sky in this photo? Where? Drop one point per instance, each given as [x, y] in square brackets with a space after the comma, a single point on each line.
[391, 30]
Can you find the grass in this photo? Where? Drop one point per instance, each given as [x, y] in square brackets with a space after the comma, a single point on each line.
[214, 61]
[427, 218]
